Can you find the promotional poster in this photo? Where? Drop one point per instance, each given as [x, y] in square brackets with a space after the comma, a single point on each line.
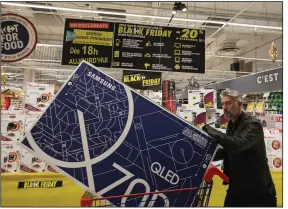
[142, 80]
[111, 140]
[133, 46]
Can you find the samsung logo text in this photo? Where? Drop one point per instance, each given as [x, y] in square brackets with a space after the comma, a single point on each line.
[101, 81]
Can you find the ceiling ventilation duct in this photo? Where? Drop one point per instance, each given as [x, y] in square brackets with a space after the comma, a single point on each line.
[228, 49]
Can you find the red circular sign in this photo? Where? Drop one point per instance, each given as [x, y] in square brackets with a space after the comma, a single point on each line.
[44, 97]
[276, 144]
[277, 162]
[12, 157]
[16, 126]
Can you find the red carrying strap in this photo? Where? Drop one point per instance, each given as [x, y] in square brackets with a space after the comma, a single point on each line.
[213, 171]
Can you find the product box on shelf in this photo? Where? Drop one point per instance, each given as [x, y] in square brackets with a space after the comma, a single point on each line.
[31, 118]
[274, 150]
[204, 98]
[250, 107]
[209, 98]
[278, 118]
[50, 169]
[216, 119]
[10, 156]
[186, 114]
[199, 117]
[12, 125]
[195, 99]
[275, 161]
[273, 141]
[31, 164]
[169, 96]
[38, 96]
[154, 96]
[260, 107]
[12, 99]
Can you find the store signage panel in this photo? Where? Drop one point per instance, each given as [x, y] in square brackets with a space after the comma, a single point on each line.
[142, 47]
[111, 141]
[159, 48]
[39, 184]
[87, 40]
[142, 79]
[270, 80]
[18, 37]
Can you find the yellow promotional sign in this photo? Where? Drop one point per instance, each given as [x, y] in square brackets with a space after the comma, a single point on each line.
[102, 38]
[39, 190]
[151, 82]
[69, 194]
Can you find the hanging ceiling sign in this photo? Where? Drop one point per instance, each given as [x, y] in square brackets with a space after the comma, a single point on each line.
[270, 80]
[18, 37]
[133, 46]
[142, 80]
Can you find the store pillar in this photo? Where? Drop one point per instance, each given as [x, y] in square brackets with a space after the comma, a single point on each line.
[29, 76]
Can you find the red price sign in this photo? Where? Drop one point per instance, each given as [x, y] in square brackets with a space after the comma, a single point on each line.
[278, 119]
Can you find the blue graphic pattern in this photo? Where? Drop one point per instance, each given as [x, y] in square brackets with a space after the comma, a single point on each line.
[126, 145]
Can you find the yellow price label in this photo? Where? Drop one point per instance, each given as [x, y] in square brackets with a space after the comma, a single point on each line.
[102, 38]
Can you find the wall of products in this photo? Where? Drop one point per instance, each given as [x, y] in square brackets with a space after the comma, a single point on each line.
[19, 113]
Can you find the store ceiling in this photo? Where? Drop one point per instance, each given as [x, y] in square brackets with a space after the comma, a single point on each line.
[252, 44]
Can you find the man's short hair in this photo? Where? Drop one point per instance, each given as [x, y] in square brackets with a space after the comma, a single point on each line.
[236, 95]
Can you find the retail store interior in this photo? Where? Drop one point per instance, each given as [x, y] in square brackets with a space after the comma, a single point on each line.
[180, 55]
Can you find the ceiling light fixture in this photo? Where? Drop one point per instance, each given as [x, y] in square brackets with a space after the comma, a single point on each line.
[137, 15]
[244, 58]
[174, 11]
[178, 6]
[184, 8]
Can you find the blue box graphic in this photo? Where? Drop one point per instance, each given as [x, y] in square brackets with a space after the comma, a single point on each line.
[112, 141]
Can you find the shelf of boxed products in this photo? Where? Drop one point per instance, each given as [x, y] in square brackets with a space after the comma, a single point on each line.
[12, 98]
[265, 103]
[16, 119]
[273, 142]
[197, 116]
[202, 109]
[274, 102]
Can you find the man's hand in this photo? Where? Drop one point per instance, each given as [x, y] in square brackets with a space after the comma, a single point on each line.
[205, 128]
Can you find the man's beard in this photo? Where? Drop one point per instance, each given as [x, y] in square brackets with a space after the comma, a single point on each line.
[229, 115]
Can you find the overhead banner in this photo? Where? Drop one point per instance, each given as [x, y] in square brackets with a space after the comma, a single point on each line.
[142, 80]
[111, 141]
[159, 48]
[270, 80]
[87, 40]
[133, 46]
[18, 37]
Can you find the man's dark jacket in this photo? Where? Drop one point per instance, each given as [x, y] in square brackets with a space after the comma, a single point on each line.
[244, 154]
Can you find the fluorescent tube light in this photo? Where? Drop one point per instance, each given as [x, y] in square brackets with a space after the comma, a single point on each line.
[49, 45]
[244, 58]
[138, 15]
